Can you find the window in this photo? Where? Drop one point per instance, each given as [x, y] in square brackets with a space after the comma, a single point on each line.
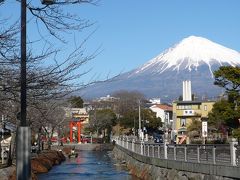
[179, 107]
[184, 107]
[205, 107]
[183, 122]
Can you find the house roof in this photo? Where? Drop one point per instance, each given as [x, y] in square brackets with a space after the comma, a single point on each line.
[163, 107]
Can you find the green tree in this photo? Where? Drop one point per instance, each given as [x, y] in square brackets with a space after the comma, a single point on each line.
[129, 119]
[102, 121]
[195, 126]
[194, 129]
[151, 122]
[76, 102]
[224, 114]
[148, 117]
[236, 133]
[228, 77]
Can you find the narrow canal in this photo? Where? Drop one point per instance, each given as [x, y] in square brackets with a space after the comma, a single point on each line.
[88, 166]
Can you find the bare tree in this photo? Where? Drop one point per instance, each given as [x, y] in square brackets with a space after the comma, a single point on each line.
[128, 100]
[46, 118]
[46, 82]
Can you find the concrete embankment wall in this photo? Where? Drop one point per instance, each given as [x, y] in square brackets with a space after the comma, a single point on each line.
[85, 147]
[41, 163]
[153, 168]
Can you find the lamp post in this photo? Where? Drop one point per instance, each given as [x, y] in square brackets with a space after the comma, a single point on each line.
[23, 163]
[139, 120]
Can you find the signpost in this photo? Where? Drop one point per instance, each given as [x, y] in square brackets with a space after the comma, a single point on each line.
[204, 130]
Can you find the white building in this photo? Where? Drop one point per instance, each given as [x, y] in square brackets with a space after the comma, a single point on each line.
[107, 98]
[164, 112]
[155, 101]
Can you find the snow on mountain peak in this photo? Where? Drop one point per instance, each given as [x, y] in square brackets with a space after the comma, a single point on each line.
[190, 53]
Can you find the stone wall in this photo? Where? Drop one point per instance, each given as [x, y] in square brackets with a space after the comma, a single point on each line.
[145, 170]
[85, 147]
[41, 163]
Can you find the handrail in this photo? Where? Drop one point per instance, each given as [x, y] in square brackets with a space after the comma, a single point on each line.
[222, 154]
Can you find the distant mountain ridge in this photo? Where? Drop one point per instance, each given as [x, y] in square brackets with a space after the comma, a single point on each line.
[193, 58]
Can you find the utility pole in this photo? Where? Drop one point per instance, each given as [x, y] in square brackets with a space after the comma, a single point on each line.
[3, 126]
[2, 138]
[134, 132]
[139, 119]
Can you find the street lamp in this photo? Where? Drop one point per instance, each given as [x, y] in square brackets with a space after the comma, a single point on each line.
[139, 121]
[24, 133]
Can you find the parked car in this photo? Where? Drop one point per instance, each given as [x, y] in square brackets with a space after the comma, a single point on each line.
[158, 138]
[87, 139]
[63, 140]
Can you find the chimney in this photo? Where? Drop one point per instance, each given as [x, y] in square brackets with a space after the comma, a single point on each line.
[187, 91]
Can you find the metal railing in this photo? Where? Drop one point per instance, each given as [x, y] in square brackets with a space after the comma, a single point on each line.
[220, 154]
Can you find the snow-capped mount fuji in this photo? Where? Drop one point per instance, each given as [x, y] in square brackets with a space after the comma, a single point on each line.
[189, 54]
[193, 58]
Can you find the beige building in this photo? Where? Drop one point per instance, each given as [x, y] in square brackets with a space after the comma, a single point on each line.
[185, 112]
[77, 114]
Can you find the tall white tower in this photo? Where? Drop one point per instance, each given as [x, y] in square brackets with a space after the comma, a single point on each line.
[187, 91]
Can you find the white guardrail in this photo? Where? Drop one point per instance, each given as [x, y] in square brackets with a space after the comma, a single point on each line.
[222, 154]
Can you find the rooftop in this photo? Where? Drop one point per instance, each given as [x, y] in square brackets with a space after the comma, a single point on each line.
[163, 106]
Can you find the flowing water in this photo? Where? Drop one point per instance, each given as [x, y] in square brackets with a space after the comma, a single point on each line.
[89, 165]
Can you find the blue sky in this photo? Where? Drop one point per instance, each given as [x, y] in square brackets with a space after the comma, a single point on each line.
[131, 32]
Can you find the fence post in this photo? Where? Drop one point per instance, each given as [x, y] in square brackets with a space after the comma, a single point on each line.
[174, 152]
[158, 150]
[198, 154]
[127, 142]
[233, 149]
[144, 149]
[133, 143]
[148, 150]
[214, 154]
[153, 150]
[185, 153]
[141, 146]
[165, 150]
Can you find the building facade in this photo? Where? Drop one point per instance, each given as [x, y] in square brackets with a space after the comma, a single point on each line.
[184, 113]
[164, 112]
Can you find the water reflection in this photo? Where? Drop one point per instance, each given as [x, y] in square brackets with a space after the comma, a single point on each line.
[88, 166]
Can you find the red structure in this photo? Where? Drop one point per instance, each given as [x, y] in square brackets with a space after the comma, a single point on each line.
[72, 124]
[79, 117]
